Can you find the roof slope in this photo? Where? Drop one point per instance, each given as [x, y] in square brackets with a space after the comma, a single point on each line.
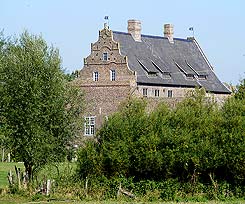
[159, 62]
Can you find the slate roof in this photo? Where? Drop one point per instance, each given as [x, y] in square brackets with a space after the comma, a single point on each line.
[159, 62]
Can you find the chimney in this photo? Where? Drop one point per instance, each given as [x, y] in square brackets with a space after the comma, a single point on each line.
[134, 28]
[169, 32]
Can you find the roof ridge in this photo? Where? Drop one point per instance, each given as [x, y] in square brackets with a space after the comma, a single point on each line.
[153, 36]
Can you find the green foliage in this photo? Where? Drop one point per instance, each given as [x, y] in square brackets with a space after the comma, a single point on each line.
[36, 108]
[198, 147]
[89, 162]
[72, 76]
[240, 93]
[233, 137]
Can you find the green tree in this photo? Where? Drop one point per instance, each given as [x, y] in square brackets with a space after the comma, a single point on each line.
[240, 93]
[72, 76]
[233, 136]
[197, 141]
[196, 122]
[40, 115]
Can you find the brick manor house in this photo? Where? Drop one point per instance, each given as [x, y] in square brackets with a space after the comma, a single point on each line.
[123, 64]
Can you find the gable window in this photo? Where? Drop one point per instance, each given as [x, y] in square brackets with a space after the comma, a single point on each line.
[105, 56]
[95, 76]
[156, 92]
[113, 75]
[145, 92]
[89, 125]
[170, 93]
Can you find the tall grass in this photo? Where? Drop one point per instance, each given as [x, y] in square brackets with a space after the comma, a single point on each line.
[5, 168]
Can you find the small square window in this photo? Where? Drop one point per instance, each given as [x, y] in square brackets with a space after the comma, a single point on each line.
[156, 92]
[105, 56]
[145, 92]
[113, 75]
[95, 76]
[170, 93]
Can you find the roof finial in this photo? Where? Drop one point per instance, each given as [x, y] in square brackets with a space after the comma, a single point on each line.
[106, 24]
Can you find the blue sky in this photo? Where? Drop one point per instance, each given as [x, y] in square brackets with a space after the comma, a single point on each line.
[72, 25]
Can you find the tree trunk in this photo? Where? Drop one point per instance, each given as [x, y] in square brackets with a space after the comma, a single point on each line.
[28, 169]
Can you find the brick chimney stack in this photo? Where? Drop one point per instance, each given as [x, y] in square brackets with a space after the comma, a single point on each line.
[169, 32]
[134, 28]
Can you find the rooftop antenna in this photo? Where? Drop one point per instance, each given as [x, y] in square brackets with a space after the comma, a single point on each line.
[106, 18]
[192, 29]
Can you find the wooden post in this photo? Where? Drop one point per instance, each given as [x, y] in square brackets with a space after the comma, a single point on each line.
[3, 155]
[86, 186]
[24, 182]
[8, 157]
[17, 171]
[10, 177]
[48, 187]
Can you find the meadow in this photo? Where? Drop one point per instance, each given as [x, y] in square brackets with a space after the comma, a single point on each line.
[58, 171]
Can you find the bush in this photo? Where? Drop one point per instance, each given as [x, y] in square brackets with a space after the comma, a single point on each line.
[198, 144]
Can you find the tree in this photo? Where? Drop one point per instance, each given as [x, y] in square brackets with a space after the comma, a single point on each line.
[40, 116]
[233, 135]
[240, 93]
[197, 141]
[72, 76]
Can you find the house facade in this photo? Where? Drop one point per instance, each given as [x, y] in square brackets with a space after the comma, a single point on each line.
[159, 68]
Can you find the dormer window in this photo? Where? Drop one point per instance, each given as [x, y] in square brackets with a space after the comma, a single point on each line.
[95, 76]
[105, 56]
[113, 75]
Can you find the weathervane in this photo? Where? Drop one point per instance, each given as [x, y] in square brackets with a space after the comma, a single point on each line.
[192, 29]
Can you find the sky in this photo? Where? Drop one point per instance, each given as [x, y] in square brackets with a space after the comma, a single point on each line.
[72, 25]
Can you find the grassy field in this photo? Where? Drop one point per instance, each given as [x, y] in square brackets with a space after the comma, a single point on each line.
[4, 169]
[52, 171]
[22, 201]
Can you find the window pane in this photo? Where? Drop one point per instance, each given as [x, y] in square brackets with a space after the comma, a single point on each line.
[105, 56]
[92, 121]
[170, 93]
[156, 93]
[89, 125]
[87, 130]
[95, 76]
[113, 75]
[145, 92]
[92, 129]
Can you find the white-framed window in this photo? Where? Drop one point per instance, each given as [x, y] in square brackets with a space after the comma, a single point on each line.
[145, 92]
[105, 56]
[89, 125]
[95, 76]
[170, 93]
[156, 92]
[113, 75]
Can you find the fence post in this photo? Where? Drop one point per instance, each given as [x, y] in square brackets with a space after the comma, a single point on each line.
[8, 157]
[48, 187]
[3, 155]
